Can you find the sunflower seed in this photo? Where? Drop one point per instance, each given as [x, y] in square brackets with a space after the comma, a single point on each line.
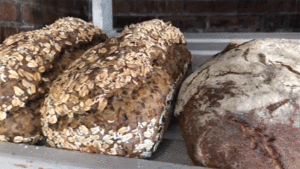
[2, 115]
[122, 130]
[102, 104]
[18, 139]
[53, 119]
[18, 91]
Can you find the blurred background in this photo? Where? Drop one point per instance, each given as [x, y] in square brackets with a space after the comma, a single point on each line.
[192, 16]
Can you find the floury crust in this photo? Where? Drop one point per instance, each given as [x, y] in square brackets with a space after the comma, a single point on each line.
[241, 108]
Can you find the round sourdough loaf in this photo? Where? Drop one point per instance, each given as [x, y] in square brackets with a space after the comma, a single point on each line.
[241, 108]
[29, 63]
[117, 99]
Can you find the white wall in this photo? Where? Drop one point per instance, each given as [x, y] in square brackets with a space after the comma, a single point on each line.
[103, 15]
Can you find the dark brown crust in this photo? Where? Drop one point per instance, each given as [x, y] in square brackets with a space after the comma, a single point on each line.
[30, 61]
[227, 142]
[241, 109]
[117, 98]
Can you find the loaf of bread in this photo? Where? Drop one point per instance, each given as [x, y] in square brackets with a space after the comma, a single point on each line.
[241, 109]
[29, 62]
[117, 98]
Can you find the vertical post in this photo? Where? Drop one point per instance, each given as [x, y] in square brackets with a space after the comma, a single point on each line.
[103, 15]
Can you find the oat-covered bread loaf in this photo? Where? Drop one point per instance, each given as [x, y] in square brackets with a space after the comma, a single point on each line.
[241, 109]
[117, 98]
[29, 62]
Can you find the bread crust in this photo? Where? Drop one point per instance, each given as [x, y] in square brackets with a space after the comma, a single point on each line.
[117, 98]
[29, 63]
[241, 108]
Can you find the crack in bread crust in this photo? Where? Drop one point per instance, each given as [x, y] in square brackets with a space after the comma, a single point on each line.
[258, 136]
[257, 84]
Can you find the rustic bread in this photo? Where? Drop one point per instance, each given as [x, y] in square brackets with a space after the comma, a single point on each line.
[117, 98]
[29, 62]
[241, 109]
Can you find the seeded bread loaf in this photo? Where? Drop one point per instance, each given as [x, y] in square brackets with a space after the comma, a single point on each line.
[29, 62]
[241, 109]
[117, 98]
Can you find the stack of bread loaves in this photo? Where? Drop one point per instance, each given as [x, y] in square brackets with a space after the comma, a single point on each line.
[117, 98]
[241, 110]
[29, 62]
